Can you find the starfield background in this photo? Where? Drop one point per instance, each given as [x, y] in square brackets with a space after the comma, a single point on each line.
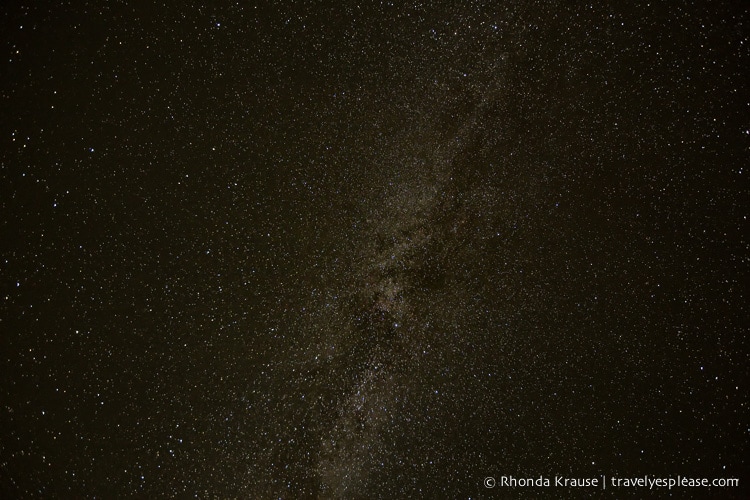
[371, 250]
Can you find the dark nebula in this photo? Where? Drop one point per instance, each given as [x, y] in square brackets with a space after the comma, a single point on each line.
[327, 250]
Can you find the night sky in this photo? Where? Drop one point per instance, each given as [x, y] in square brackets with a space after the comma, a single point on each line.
[329, 250]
